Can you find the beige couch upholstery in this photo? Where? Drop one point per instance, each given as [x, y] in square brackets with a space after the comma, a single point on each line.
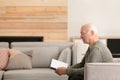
[40, 65]
[40, 71]
[1, 74]
[4, 45]
[102, 71]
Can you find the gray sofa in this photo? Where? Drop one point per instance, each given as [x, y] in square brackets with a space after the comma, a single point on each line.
[93, 71]
[40, 62]
[102, 71]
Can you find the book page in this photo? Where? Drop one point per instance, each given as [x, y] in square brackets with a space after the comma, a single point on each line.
[56, 63]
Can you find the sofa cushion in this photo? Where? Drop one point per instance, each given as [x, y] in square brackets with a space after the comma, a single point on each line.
[18, 60]
[32, 45]
[116, 60]
[42, 56]
[35, 46]
[102, 71]
[1, 74]
[4, 57]
[13, 52]
[25, 50]
[33, 74]
[65, 55]
[4, 45]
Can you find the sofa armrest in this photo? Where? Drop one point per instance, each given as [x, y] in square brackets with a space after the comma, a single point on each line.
[102, 71]
[65, 55]
[74, 54]
[1, 74]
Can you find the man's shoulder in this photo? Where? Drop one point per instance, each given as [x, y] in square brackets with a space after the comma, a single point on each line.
[99, 44]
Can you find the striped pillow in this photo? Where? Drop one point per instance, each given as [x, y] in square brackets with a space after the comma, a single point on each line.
[4, 57]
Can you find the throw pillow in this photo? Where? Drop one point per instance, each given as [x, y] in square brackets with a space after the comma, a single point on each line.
[25, 50]
[18, 60]
[65, 55]
[42, 56]
[13, 52]
[28, 52]
[4, 57]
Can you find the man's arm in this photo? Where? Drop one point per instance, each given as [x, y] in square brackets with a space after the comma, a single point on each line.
[72, 70]
[75, 71]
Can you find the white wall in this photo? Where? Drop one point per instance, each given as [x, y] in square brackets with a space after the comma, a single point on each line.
[105, 14]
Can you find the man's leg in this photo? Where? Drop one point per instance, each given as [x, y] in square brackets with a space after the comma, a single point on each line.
[76, 77]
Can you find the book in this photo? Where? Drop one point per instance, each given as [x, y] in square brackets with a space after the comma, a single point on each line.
[56, 63]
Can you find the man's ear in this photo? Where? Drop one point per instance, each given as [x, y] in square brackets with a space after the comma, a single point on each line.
[92, 32]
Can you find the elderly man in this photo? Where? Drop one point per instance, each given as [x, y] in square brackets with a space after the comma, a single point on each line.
[97, 52]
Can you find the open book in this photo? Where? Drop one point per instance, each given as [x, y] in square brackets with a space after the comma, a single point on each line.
[56, 63]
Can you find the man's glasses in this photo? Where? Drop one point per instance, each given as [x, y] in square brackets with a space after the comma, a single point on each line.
[84, 33]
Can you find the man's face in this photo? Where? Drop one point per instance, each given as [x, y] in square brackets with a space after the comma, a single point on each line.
[85, 35]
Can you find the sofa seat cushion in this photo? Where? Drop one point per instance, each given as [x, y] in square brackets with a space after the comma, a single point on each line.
[1, 74]
[33, 74]
[42, 56]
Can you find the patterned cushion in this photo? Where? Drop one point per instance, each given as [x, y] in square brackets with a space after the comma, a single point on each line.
[18, 60]
[4, 57]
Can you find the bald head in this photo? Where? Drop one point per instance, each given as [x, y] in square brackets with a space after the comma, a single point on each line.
[89, 34]
[89, 27]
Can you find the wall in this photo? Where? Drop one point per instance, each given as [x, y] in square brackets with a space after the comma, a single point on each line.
[47, 18]
[105, 14]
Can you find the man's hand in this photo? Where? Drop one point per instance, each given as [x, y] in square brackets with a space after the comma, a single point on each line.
[61, 71]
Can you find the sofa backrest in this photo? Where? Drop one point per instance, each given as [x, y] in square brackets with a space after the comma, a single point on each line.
[4, 45]
[43, 52]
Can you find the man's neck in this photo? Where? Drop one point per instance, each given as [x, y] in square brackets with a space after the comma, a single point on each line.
[93, 41]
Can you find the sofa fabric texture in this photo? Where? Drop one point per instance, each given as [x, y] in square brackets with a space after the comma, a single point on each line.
[33, 74]
[1, 74]
[65, 55]
[102, 71]
[34, 59]
[42, 56]
[4, 45]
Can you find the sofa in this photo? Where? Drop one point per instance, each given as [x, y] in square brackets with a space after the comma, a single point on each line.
[42, 54]
[102, 71]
